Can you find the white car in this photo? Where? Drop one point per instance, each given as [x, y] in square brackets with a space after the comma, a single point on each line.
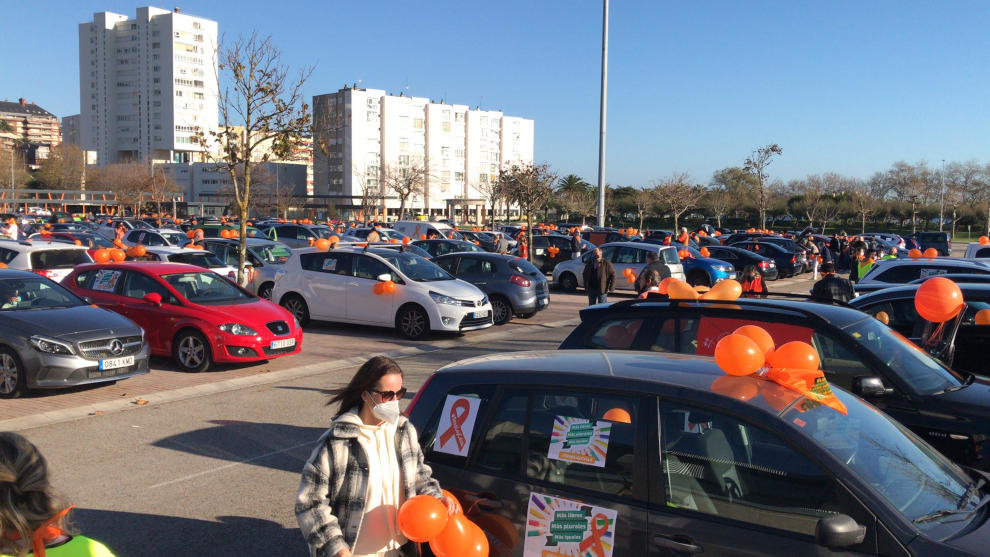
[976, 250]
[197, 257]
[569, 275]
[337, 285]
[892, 272]
[54, 260]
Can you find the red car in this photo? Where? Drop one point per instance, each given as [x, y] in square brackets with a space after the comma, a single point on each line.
[190, 313]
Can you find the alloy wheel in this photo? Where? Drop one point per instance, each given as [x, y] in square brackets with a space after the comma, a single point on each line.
[9, 374]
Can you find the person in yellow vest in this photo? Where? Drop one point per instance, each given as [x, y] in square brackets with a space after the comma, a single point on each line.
[863, 266]
[31, 522]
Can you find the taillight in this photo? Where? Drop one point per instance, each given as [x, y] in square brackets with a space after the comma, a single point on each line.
[419, 393]
[45, 273]
[763, 264]
[520, 280]
[793, 259]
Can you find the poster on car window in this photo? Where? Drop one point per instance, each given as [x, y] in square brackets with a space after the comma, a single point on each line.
[106, 280]
[712, 329]
[456, 425]
[925, 273]
[579, 440]
[558, 527]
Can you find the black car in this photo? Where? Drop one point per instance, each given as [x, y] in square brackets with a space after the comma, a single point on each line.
[788, 262]
[544, 260]
[742, 237]
[740, 259]
[950, 409]
[789, 245]
[941, 241]
[965, 351]
[484, 241]
[589, 452]
[514, 285]
[442, 247]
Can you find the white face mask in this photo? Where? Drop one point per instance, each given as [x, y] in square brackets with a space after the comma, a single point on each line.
[388, 411]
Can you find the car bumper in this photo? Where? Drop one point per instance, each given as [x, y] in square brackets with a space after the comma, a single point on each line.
[530, 302]
[719, 277]
[453, 318]
[51, 371]
[229, 348]
[772, 274]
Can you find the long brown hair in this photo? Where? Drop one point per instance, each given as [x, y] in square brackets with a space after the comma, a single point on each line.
[25, 498]
[365, 379]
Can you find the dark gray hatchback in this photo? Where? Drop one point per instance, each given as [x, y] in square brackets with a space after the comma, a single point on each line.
[514, 286]
[590, 452]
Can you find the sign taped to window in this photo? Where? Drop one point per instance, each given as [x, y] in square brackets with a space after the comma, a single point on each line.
[106, 280]
[557, 527]
[932, 272]
[330, 264]
[580, 440]
[456, 425]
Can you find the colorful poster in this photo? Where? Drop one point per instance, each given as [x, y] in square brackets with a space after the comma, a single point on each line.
[456, 425]
[579, 440]
[563, 528]
[106, 280]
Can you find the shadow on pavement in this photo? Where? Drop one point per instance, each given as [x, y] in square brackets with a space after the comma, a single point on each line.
[128, 533]
[278, 446]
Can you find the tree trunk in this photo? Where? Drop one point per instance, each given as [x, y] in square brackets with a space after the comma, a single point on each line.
[640, 221]
[402, 208]
[862, 229]
[953, 222]
[675, 223]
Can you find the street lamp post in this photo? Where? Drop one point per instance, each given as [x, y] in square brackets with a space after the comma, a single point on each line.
[601, 128]
[914, 214]
[941, 198]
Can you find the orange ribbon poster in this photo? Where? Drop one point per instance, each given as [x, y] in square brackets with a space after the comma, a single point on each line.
[456, 425]
[561, 527]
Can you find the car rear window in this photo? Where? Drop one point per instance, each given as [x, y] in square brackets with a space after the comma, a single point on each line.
[616, 334]
[522, 266]
[59, 258]
[204, 260]
[712, 329]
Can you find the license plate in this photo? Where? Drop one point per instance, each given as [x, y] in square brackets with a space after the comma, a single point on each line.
[479, 314]
[542, 302]
[284, 343]
[114, 363]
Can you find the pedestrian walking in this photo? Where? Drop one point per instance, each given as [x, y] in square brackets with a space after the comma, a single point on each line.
[814, 255]
[576, 244]
[752, 283]
[654, 264]
[832, 286]
[501, 243]
[599, 277]
[363, 468]
[32, 522]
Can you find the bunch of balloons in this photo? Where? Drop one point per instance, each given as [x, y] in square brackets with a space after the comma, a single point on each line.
[229, 233]
[914, 253]
[677, 289]
[704, 251]
[683, 254]
[552, 250]
[137, 251]
[629, 274]
[425, 519]
[387, 287]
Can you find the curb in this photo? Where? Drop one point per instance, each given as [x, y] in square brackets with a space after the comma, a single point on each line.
[237, 383]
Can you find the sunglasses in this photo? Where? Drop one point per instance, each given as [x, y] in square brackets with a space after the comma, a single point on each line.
[389, 395]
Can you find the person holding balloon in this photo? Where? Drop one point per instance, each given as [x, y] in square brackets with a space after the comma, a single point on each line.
[366, 465]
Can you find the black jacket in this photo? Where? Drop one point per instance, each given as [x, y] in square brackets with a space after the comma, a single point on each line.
[833, 287]
[600, 281]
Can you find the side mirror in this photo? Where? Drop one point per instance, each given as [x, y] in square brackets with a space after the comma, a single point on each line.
[384, 277]
[153, 298]
[87, 299]
[867, 385]
[839, 531]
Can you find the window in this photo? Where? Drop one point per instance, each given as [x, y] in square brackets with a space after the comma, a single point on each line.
[427, 436]
[500, 451]
[615, 334]
[459, 153]
[459, 117]
[721, 466]
[372, 103]
[418, 123]
[403, 145]
[630, 256]
[137, 285]
[369, 268]
[475, 266]
[404, 159]
[333, 263]
[458, 176]
[841, 363]
[677, 334]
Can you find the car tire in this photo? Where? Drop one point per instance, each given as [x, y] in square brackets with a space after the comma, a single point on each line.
[191, 351]
[567, 282]
[699, 278]
[501, 310]
[412, 322]
[294, 304]
[265, 290]
[13, 382]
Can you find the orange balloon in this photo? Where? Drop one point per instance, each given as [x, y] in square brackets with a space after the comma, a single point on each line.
[378, 288]
[679, 290]
[931, 252]
[630, 279]
[619, 415]
[478, 544]
[190, 234]
[938, 299]
[3, 265]
[101, 255]
[405, 240]
[726, 290]
[704, 252]
[194, 246]
[742, 388]
[118, 255]
[422, 236]
[883, 317]
[422, 518]
[984, 240]
[684, 254]
[759, 335]
[914, 253]
[794, 355]
[77, 242]
[457, 503]
[738, 355]
[982, 317]
[662, 287]
[322, 244]
[389, 287]
[455, 539]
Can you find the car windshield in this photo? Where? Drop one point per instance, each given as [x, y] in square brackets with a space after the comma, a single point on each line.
[916, 368]
[416, 268]
[912, 476]
[174, 238]
[204, 259]
[92, 241]
[275, 254]
[59, 258]
[206, 288]
[31, 293]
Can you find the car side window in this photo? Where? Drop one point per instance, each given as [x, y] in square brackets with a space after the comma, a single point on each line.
[448, 264]
[501, 448]
[607, 253]
[428, 435]
[724, 255]
[475, 266]
[134, 236]
[900, 274]
[583, 440]
[678, 335]
[841, 364]
[153, 239]
[723, 466]
[332, 263]
[629, 256]
[82, 278]
[137, 285]
[982, 252]
[615, 334]
[369, 268]
[302, 233]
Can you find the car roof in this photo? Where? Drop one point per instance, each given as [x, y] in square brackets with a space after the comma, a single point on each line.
[948, 261]
[684, 371]
[15, 273]
[250, 240]
[169, 250]
[479, 255]
[981, 291]
[29, 246]
[835, 314]
[640, 245]
[149, 267]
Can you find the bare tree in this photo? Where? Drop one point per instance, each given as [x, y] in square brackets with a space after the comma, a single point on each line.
[962, 179]
[494, 193]
[676, 194]
[273, 196]
[530, 187]
[262, 97]
[14, 174]
[757, 164]
[63, 169]
[719, 200]
[128, 181]
[912, 183]
[643, 200]
[405, 180]
[579, 202]
[161, 187]
[863, 202]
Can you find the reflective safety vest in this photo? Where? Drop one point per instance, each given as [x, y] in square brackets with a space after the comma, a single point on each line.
[78, 546]
[888, 256]
[864, 267]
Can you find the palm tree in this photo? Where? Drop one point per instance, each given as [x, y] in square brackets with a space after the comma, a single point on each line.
[572, 184]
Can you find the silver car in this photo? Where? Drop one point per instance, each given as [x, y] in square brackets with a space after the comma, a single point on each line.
[51, 338]
[569, 275]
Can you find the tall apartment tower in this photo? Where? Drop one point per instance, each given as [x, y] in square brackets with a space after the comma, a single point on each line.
[357, 131]
[146, 84]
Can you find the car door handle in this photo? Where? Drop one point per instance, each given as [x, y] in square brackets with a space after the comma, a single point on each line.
[682, 544]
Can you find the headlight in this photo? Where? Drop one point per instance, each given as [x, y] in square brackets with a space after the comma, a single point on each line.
[51, 346]
[726, 268]
[441, 299]
[237, 329]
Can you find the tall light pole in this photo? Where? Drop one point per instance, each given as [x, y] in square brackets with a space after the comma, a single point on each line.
[601, 126]
[941, 198]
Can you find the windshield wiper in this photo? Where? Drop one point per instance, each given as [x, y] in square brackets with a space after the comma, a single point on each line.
[973, 489]
[948, 512]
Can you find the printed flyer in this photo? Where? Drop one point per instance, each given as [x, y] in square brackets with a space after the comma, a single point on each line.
[456, 425]
[106, 280]
[579, 440]
[558, 527]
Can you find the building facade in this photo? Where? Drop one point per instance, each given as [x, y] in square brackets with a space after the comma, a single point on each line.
[359, 134]
[146, 85]
[207, 190]
[32, 130]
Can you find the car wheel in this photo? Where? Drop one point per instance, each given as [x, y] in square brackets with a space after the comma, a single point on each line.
[294, 304]
[567, 282]
[13, 383]
[699, 278]
[501, 310]
[413, 323]
[265, 291]
[192, 352]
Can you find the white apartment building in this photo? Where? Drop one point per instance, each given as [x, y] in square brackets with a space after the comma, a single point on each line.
[146, 84]
[363, 129]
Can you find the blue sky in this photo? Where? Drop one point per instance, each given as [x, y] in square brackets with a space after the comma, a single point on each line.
[849, 87]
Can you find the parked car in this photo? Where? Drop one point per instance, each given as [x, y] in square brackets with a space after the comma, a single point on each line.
[569, 274]
[950, 409]
[893, 239]
[976, 250]
[386, 234]
[729, 239]
[891, 272]
[50, 338]
[599, 237]
[740, 259]
[653, 454]
[791, 246]
[214, 230]
[941, 241]
[513, 285]
[191, 314]
[337, 285]
[52, 260]
[542, 258]
[108, 227]
[91, 242]
[481, 240]
[960, 278]
[406, 248]
[788, 262]
[265, 257]
[442, 247]
[198, 257]
[421, 230]
[158, 237]
[705, 271]
[968, 346]
[296, 235]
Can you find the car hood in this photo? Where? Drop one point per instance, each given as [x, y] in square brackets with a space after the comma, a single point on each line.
[973, 399]
[73, 324]
[254, 314]
[456, 288]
